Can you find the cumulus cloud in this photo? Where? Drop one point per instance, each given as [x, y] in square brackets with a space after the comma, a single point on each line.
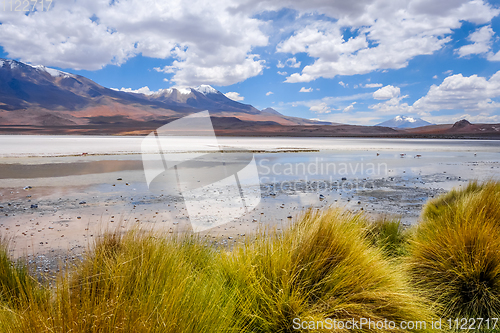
[303, 89]
[482, 40]
[387, 37]
[386, 92]
[458, 92]
[321, 108]
[343, 84]
[234, 96]
[392, 106]
[207, 43]
[473, 94]
[282, 73]
[269, 93]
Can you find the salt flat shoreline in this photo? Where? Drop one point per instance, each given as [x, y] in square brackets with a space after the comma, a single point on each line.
[52, 207]
[68, 145]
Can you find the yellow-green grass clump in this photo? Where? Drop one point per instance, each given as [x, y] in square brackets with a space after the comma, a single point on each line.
[390, 236]
[138, 282]
[324, 266]
[455, 252]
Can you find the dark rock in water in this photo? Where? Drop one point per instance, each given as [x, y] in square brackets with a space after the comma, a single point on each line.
[82, 202]
[321, 197]
[289, 217]
[34, 206]
[344, 178]
[119, 179]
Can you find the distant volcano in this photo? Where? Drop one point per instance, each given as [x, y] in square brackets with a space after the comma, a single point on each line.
[404, 122]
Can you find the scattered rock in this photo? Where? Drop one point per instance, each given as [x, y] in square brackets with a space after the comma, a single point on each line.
[34, 206]
[82, 202]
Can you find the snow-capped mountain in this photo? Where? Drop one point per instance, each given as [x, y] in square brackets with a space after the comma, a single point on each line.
[404, 122]
[43, 96]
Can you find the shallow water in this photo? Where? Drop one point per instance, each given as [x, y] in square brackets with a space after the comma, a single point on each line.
[75, 195]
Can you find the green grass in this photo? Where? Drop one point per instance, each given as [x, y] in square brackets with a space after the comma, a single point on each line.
[390, 236]
[455, 252]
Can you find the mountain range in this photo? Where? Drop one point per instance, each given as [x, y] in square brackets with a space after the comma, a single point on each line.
[37, 99]
[41, 96]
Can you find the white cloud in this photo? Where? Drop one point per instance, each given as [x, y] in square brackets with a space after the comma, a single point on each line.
[208, 43]
[399, 31]
[329, 103]
[321, 108]
[474, 95]
[448, 72]
[458, 92]
[392, 106]
[269, 93]
[290, 62]
[303, 89]
[494, 57]
[435, 77]
[234, 96]
[343, 84]
[482, 40]
[387, 92]
[282, 73]
[373, 85]
[483, 117]
[349, 108]
[354, 118]
[144, 90]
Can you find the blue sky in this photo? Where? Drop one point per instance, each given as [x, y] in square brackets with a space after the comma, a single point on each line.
[359, 62]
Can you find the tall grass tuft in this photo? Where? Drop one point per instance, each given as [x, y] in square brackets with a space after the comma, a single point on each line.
[390, 236]
[140, 282]
[321, 267]
[455, 253]
[16, 283]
